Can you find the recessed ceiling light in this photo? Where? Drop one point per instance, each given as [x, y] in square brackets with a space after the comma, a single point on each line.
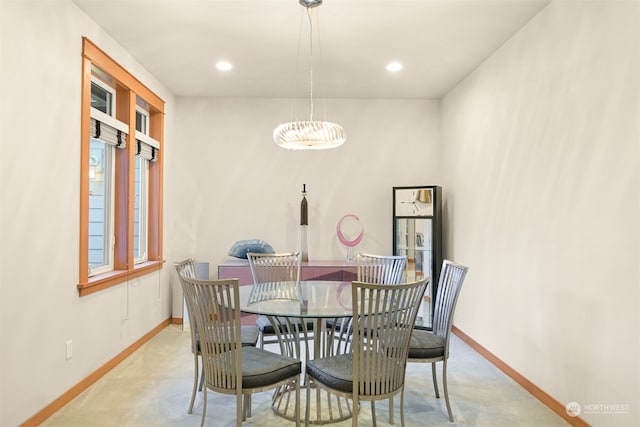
[224, 66]
[394, 66]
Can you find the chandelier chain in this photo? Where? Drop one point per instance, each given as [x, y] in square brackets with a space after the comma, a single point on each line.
[310, 64]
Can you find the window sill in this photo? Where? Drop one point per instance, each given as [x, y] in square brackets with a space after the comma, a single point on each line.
[113, 278]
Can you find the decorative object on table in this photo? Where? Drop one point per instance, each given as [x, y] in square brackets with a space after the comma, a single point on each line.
[417, 234]
[346, 238]
[304, 223]
[309, 134]
[241, 248]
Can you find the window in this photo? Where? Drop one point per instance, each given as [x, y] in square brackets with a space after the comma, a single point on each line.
[144, 154]
[121, 175]
[101, 180]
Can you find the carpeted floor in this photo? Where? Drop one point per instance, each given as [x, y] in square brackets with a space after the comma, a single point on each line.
[153, 386]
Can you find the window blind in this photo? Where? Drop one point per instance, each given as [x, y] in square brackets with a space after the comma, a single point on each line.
[147, 147]
[108, 130]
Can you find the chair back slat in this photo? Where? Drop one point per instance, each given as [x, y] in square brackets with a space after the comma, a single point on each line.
[449, 286]
[384, 316]
[213, 304]
[188, 269]
[282, 267]
[384, 269]
[275, 291]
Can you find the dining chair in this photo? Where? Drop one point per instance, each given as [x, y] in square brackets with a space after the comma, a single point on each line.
[383, 319]
[270, 269]
[385, 269]
[433, 346]
[229, 367]
[370, 268]
[249, 333]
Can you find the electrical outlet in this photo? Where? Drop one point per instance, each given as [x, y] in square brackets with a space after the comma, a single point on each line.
[69, 349]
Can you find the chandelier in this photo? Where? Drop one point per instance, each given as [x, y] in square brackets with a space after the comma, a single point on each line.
[309, 134]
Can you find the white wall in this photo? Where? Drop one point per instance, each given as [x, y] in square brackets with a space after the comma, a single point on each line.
[40, 48]
[235, 183]
[541, 160]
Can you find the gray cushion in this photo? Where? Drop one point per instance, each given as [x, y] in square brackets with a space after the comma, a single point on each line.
[261, 368]
[265, 326]
[425, 345]
[335, 371]
[248, 336]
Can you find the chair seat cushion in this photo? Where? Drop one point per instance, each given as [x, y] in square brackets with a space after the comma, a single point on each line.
[265, 326]
[261, 368]
[248, 336]
[425, 345]
[335, 371]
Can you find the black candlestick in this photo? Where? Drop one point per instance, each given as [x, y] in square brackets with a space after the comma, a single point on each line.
[304, 210]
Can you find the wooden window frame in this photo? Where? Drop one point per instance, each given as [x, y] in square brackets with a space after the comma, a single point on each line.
[127, 89]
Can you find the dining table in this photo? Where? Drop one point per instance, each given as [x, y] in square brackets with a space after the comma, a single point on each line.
[290, 307]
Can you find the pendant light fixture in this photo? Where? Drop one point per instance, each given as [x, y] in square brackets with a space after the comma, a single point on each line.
[309, 134]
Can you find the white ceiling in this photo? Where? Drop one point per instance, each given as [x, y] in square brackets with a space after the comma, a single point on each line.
[438, 41]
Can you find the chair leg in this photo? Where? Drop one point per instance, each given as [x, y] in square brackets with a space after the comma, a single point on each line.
[402, 407]
[446, 390]
[244, 406]
[308, 403]
[195, 383]
[391, 420]
[354, 414]
[239, 409]
[298, 402]
[248, 409]
[373, 413]
[204, 408]
[435, 379]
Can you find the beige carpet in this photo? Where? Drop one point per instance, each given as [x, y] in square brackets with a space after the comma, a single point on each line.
[153, 386]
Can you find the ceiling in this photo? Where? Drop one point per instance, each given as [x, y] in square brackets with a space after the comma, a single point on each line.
[438, 42]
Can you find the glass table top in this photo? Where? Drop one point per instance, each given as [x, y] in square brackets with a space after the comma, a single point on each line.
[308, 299]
